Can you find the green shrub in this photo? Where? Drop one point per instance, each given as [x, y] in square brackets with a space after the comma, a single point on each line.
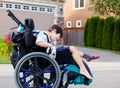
[85, 32]
[108, 33]
[116, 36]
[6, 45]
[3, 49]
[98, 39]
[91, 32]
[1, 40]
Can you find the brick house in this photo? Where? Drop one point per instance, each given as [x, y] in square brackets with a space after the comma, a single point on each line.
[44, 13]
[75, 15]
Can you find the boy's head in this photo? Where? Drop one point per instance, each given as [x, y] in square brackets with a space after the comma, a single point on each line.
[55, 32]
[56, 28]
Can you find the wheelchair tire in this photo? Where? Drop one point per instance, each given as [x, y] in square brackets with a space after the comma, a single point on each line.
[34, 70]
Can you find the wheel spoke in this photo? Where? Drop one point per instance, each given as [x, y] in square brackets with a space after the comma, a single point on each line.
[44, 70]
[26, 84]
[49, 81]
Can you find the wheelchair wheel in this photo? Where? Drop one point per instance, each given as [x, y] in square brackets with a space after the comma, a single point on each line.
[34, 71]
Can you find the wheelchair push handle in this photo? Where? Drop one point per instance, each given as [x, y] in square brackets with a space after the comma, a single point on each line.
[11, 15]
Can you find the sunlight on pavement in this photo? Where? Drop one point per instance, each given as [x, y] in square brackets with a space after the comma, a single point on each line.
[98, 66]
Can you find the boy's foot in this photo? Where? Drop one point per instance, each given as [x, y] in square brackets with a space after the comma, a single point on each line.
[89, 58]
[93, 58]
[86, 74]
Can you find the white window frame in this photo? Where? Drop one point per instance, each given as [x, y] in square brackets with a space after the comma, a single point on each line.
[9, 6]
[34, 8]
[49, 10]
[1, 5]
[16, 6]
[79, 7]
[61, 9]
[42, 9]
[69, 24]
[77, 23]
[26, 7]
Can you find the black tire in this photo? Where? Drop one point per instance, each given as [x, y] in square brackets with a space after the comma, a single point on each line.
[34, 69]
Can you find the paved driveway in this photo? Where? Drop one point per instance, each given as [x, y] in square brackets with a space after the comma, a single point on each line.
[106, 71]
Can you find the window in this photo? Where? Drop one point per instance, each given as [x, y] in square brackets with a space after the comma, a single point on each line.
[26, 7]
[61, 9]
[78, 23]
[50, 10]
[69, 25]
[1, 5]
[42, 9]
[79, 4]
[34, 8]
[8, 5]
[17, 6]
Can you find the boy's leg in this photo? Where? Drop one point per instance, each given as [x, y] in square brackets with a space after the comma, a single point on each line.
[66, 55]
[78, 60]
[86, 56]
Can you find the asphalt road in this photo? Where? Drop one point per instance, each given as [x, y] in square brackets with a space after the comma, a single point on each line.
[106, 71]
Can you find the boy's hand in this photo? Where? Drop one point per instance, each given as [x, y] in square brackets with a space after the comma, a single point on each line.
[51, 51]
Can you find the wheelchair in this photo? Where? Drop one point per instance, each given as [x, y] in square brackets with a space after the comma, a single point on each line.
[35, 69]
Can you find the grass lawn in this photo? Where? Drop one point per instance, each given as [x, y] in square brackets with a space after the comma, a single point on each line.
[4, 60]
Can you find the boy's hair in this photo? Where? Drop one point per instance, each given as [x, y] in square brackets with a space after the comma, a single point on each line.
[57, 28]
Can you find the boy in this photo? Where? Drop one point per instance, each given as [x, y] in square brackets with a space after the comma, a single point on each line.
[47, 40]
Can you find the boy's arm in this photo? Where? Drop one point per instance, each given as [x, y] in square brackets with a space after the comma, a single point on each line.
[51, 49]
[44, 44]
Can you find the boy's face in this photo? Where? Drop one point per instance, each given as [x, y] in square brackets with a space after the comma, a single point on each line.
[55, 36]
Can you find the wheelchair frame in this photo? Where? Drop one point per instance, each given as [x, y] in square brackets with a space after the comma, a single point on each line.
[31, 69]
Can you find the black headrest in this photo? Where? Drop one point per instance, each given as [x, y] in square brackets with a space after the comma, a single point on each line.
[29, 23]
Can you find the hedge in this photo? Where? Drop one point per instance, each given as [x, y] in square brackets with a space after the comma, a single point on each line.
[91, 32]
[108, 33]
[102, 33]
[85, 31]
[99, 32]
[116, 36]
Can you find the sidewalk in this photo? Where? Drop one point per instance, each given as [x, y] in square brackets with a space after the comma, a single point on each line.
[6, 70]
[104, 55]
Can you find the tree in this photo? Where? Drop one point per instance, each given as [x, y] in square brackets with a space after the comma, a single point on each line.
[91, 31]
[108, 33]
[116, 36]
[106, 7]
[99, 32]
[85, 31]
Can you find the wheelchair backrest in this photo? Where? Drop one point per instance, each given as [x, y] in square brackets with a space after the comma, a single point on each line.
[30, 39]
[29, 27]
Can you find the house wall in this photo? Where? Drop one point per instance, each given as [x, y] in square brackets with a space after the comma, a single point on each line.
[75, 35]
[73, 15]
